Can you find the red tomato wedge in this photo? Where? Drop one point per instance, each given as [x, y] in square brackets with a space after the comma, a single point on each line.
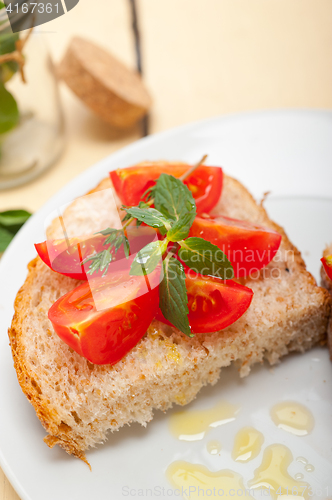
[327, 263]
[104, 319]
[205, 183]
[213, 303]
[66, 256]
[248, 247]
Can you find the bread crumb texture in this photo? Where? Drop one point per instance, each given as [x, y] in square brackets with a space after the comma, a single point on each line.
[78, 403]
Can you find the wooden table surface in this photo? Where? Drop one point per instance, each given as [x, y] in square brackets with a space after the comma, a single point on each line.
[201, 58]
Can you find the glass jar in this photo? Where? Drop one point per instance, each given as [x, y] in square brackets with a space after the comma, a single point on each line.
[34, 138]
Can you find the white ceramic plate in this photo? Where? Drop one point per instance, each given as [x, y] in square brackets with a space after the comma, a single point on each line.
[286, 152]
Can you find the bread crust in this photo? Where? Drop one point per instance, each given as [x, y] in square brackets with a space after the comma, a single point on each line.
[46, 413]
[299, 328]
[327, 283]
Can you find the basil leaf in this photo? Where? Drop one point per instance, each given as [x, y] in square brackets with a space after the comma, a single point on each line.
[146, 259]
[205, 258]
[150, 216]
[180, 229]
[5, 238]
[172, 198]
[147, 195]
[142, 204]
[9, 114]
[14, 217]
[126, 217]
[173, 299]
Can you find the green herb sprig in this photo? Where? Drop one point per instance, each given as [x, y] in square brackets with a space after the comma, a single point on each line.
[173, 214]
[11, 61]
[101, 260]
[8, 107]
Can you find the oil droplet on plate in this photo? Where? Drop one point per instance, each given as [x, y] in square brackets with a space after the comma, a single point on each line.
[213, 447]
[199, 481]
[192, 425]
[247, 445]
[293, 417]
[273, 474]
[309, 468]
[302, 460]
[299, 476]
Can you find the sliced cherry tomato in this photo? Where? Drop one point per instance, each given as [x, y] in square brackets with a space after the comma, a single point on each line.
[104, 319]
[249, 247]
[327, 263]
[66, 256]
[213, 303]
[205, 183]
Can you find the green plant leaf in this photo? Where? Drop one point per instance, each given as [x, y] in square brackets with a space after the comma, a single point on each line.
[173, 299]
[14, 217]
[7, 45]
[5, 238]
[2, 5]
[7, 70]
[9, 114]
[205, 258]
[147, 259]
[10, 222]
[172, 198]
[7, 42]
[180, 229]
[142, 204]
[150, 216]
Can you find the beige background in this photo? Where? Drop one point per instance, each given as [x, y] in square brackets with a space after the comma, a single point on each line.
[201, 58]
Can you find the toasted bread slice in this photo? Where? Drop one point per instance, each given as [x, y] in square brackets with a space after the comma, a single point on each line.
[78, 402]
[327, 283]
